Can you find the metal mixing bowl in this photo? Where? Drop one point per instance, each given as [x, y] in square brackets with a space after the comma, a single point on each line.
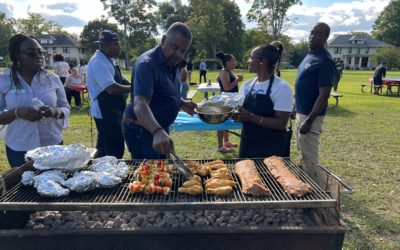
[214, 114]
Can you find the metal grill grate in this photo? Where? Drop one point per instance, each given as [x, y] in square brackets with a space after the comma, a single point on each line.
[119, 197]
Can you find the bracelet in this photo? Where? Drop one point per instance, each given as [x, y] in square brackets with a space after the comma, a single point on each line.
[16, 113]
[155, 130]
[261, 120]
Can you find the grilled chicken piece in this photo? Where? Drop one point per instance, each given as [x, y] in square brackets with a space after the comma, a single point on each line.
[219, 175]
[202, 170]
[193, 164]
[211, 163]
[193, 190]
[289, 182]
[196, 178]
[191, 183]
[251, 182]
[218, 166]
[220, 190]
[216, 183]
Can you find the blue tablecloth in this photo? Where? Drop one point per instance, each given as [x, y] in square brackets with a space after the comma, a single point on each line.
[185, 122]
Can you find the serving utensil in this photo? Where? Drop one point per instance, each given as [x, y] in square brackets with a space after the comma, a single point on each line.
[181, 166]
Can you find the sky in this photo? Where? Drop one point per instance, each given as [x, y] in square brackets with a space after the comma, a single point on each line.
[343, 16]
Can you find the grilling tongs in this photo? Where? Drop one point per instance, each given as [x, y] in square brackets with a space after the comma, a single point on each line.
[181, 166]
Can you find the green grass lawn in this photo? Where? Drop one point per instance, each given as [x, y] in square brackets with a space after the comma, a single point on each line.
[360, 144]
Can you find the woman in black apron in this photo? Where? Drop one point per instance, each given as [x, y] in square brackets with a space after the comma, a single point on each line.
[264, 129]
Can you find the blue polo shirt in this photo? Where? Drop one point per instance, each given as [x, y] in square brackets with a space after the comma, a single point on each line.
[317, 70]
[151, 78]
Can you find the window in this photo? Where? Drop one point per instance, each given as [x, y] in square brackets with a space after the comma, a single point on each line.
[337, 50]
[349, 51]
[54, 50]
[357, 61]
[358, 50]
[66, 50]
[366, 50]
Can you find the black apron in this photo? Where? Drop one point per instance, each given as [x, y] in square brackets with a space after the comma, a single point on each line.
[256, 141]
[112, 106]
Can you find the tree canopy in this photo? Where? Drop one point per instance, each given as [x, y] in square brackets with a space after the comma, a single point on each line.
[35, 25]
[271, 15]
[387, 25]
[171, 12]
[6, 32]
[389, 55]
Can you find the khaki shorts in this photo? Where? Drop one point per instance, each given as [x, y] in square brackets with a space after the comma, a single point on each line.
[308, 144]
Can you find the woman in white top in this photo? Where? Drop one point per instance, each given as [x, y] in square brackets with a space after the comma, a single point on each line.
[30, 127]
[74, 81]
[82, 67]
[60, 67]
[266, 108]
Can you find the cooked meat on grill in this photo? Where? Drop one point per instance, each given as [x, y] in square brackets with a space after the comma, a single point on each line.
[217, 166]
[251, 182]
[224, 190]
[290, 183]
[191, 183]
[192, 190]
[216, 183]
[219, 175]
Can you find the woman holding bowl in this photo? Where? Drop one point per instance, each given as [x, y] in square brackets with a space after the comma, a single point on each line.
[266, 107]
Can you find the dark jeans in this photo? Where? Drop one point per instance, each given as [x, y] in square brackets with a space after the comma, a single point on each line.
[72, 93]
[109, 138]
[139, 142]
[17, 158]
[203, 73]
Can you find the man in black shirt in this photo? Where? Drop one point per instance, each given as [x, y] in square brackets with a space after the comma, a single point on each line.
[380, 72]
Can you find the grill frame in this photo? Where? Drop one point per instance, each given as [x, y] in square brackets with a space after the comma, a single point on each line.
[20, 198]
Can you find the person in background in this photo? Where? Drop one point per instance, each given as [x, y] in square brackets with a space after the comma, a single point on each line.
[108, 91]
[74, 80]
[278, 45]
[380, 72]
[29, 128]
[315, 78]
[203, 70]
[266, 107]
[60, 67]
[184, 79]
[155, 97]
[228, 82]
[82, 67]
[339, 71]
[189, 70]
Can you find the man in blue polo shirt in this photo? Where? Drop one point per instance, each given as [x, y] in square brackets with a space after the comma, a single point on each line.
[156, 98]
[315, 78]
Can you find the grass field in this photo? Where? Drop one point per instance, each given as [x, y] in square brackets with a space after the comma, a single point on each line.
[360, 144]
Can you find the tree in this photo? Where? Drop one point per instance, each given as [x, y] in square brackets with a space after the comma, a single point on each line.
[234, 30]
[387, 25]
[171, 12]
[270, 15]
[207, 25]
[6, 32]
[135, 17]
[299, 51]
[36, 25]
[389, 55]
[91, 31]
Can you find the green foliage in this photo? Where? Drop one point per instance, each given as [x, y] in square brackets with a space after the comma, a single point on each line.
[207, 25]
[91, 31]
[171, 12]
[6, 32]
[387, 25]
[35, 25]
[299, 51]
[271, 15]
[389, 55]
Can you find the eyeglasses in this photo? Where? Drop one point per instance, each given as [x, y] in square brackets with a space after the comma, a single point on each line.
[34, 54]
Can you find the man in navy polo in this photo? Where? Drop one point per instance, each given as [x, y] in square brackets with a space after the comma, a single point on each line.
[156, 98]
[315, 78]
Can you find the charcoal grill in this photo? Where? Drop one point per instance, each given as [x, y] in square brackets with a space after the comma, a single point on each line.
[321, 204]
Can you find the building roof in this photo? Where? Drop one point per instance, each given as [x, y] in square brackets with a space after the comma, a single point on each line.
[346, 40]
[59, 40]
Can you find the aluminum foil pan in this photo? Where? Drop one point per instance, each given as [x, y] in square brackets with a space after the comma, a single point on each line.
[119, 170]
[71, 157]
[107, 180]
[51, 189]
